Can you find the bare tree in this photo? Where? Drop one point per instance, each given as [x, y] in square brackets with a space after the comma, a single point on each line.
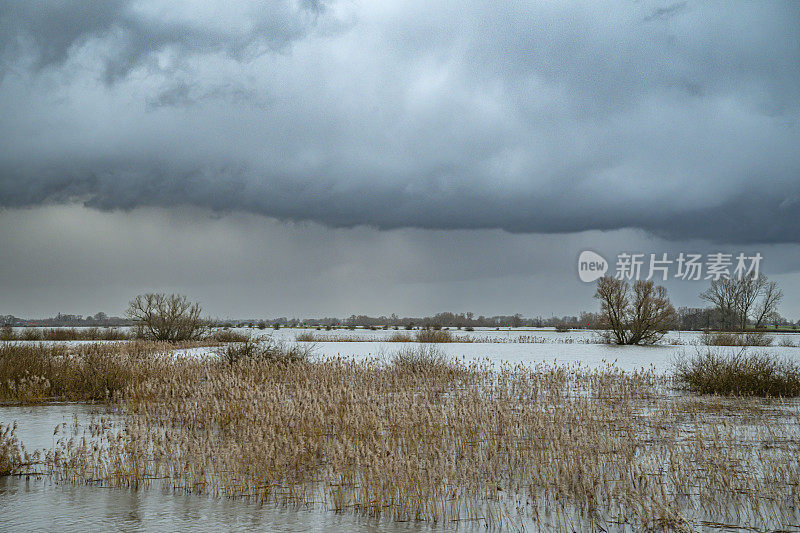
[771, 296]
[163, 317]
[740, 301]
[643, 317]
[723, 294]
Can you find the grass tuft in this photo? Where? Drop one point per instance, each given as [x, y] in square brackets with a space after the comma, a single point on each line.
[722, 338]
[740, 374]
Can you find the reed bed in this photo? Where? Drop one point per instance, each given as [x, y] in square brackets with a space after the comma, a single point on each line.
[422, 437]
[11, 451]
[37, 373]
[441, 336]
[724, 338]
[741, 374]
[64, 334]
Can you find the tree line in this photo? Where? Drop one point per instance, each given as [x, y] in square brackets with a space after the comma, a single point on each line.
[641, 313]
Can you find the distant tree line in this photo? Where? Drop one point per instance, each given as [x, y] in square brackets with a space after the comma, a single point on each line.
[736, 305]
[641, 312]
[65, 320]
[440, 320]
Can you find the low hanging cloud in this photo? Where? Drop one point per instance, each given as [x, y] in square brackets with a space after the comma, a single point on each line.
[680, 119]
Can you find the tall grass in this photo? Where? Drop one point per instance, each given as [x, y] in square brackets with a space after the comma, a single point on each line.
[441, 336]
[742, 374]
[88, 372]
[264, 350]
[64, 334]
[421, 359]
[224, 335]
[425, 438]
[435, 336]
[722, 338]
[10, 450]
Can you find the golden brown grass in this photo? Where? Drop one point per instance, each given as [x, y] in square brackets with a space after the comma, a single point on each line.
[723, 338]
[10, 450]
[439, 336]
[224, 335]
[741, 374]
[556, 447]
[64, 334]
[36, 373]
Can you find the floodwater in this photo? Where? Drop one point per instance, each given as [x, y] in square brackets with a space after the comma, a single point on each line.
[41, 504]
[573, 347]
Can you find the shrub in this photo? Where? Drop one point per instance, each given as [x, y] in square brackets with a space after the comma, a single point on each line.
[787, 342]
[433, 335]
[400, 337]
[228, 336]
[736, 339]
[163, 317]
[739, 374]
[263, 350]
[562, 328]
[421, 359]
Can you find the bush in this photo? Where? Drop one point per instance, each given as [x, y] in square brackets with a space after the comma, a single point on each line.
[228, 336]
[263, 350]
[739, 374]
[432, 335]
[787, 342]
[421, 359]
[400, 337]
[736, 339]
[163, 317]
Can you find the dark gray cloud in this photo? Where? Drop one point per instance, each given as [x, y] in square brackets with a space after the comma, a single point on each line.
[680, 119]
[130, 32]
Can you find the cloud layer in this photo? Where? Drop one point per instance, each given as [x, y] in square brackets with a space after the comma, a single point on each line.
[677, 118]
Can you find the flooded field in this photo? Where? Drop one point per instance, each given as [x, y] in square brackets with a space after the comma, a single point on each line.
[562, 435]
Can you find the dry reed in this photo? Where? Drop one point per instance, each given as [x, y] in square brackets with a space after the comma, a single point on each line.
[555, 447]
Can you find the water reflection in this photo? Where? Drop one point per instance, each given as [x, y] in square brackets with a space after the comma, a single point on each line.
[40, 504]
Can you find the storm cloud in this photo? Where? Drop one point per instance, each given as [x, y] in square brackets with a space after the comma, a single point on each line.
[680, 119]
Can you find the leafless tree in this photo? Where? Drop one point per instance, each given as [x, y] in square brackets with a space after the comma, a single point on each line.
[740, 301]
[767, 307]
[723, 294]
[641, 317]
[164, 317]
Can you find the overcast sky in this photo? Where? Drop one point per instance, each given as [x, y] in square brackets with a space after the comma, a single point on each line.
[311, 157]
